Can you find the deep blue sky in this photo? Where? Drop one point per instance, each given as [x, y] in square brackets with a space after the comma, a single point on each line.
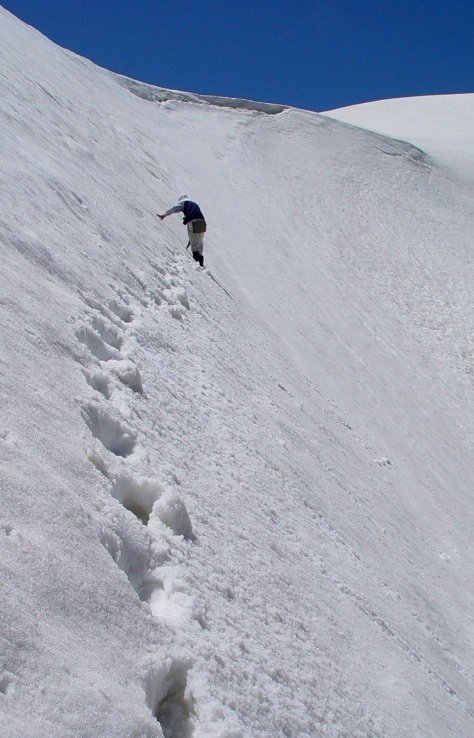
[314, 54]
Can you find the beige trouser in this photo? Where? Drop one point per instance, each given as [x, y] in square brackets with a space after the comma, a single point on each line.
[196, 240]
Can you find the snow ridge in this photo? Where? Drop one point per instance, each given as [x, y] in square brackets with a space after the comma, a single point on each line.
[161, 94]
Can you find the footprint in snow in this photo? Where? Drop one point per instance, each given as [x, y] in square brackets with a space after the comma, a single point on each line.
[117, 312]
[148, 499]
[145, 558]
[108, 332]
[96, 345]
[169, 698]
[124, 370]
[122, 311]
[135, 554]
[112, 432]
[99, 381]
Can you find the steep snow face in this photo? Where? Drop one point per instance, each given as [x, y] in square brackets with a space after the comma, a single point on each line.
[234, 508]
[442, 125]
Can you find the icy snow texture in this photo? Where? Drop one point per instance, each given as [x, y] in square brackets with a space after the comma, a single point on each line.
[228, 516]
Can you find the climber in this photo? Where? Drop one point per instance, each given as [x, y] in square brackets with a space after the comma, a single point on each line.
[195, 222]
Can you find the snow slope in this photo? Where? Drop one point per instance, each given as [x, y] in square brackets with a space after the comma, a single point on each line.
[228, 512]
[442, 125]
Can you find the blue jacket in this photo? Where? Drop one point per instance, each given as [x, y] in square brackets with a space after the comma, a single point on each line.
[191, 211]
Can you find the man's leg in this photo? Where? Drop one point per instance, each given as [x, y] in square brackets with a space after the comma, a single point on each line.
[197, 245]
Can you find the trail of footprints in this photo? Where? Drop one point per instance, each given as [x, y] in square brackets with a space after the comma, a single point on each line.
[140, 540]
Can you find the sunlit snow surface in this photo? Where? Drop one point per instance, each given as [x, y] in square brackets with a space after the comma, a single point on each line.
[442, 125]
[228, 516]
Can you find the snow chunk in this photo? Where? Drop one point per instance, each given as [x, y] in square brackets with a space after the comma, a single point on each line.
[128, 373]
[171, 510]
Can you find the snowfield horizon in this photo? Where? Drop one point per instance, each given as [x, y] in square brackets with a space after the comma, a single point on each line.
[235, 502]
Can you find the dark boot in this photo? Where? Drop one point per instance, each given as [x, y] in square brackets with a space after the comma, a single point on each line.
[198, 257]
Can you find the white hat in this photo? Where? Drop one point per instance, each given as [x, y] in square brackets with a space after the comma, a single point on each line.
[182, 198]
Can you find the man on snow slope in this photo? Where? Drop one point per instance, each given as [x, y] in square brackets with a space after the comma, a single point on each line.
[195, 222]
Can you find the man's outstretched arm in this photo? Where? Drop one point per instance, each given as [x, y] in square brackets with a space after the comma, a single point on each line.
[175, 209]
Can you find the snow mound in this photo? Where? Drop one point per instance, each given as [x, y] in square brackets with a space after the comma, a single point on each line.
[442, 125]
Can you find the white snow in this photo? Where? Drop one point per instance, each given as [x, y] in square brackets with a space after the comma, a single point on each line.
[442, 125]
[234, 503]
